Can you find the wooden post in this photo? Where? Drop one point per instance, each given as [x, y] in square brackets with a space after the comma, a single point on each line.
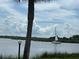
[19, 43]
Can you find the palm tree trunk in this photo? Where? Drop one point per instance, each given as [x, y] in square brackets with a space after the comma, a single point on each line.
[29, 29]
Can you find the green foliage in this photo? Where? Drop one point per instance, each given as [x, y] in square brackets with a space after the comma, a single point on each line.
[9, 57]
[13, 37]
[57, 56]
[73, 39]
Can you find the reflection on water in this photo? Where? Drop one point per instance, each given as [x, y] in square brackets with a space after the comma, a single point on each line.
[10, 47]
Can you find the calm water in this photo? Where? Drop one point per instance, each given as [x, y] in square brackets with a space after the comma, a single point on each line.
[10, 47]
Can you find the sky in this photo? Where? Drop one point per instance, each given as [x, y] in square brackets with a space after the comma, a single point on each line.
[62, 14]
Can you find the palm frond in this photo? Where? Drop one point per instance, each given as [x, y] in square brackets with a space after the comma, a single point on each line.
[35, 0]
[42, 0]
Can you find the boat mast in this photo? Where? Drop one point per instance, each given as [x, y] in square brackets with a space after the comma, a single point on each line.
[56, 37]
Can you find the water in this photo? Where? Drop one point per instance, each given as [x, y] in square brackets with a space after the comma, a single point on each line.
[10, 47]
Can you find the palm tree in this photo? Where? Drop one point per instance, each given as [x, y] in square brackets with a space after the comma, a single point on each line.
[29, 29]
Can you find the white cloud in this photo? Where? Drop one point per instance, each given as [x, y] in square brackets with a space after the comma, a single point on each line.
[70, 4]
[46, 6]
[45, 29]
[13, 22]
[61, 12]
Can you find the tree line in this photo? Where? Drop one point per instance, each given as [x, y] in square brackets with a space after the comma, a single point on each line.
[72, 39]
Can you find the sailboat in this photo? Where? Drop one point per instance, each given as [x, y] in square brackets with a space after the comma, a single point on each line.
[56, 38]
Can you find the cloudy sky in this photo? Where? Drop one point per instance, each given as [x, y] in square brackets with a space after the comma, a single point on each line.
[62, 14]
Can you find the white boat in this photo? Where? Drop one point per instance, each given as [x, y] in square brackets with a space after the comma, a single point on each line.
[56, 38]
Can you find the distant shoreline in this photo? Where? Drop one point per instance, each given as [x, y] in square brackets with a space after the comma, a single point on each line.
[73, 39]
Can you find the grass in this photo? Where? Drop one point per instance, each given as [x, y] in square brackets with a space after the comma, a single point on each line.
[49, 56]
[57, 56]
[7, 57]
